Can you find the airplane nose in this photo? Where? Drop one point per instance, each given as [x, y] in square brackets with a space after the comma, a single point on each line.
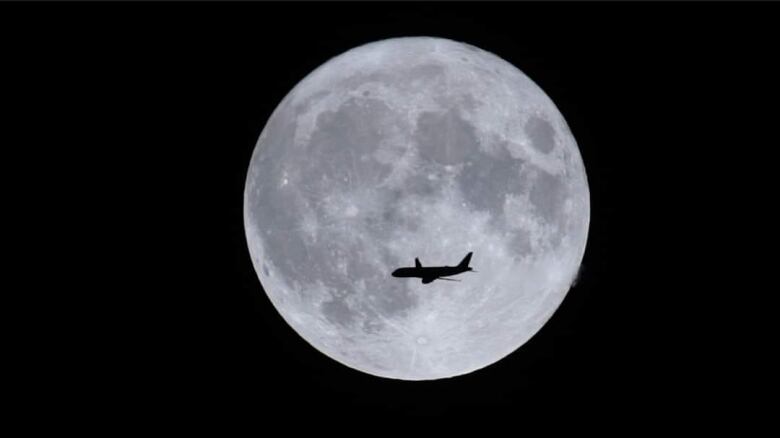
[395, 273]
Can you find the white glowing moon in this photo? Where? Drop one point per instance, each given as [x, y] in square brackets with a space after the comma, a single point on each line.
[416, 147]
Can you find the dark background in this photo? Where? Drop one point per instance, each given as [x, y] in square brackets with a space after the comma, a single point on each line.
[147, 115]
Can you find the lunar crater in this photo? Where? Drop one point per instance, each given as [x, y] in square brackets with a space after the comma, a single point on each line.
[541, 133]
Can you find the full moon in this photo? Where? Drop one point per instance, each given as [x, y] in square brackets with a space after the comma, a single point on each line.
[416, 148]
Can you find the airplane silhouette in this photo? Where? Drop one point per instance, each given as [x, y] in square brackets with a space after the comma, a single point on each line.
[431, 273]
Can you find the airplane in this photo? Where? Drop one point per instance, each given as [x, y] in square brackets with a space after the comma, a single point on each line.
[431, 273]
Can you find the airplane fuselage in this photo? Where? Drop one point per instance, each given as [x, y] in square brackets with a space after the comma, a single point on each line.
[429, 272]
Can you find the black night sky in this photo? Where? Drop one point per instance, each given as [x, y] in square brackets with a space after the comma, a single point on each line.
[161, 106]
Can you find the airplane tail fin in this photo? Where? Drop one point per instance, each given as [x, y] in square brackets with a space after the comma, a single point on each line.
[465, 262]
[417, 263]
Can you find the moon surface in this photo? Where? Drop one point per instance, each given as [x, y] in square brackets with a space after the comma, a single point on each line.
[416, 147]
